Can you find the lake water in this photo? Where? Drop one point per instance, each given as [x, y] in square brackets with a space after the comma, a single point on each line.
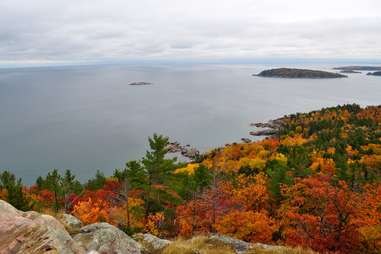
[88, 118]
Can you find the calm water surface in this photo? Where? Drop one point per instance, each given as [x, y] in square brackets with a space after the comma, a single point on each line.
[89, 118]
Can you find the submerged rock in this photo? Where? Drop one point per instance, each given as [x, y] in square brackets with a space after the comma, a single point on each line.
[105, 238]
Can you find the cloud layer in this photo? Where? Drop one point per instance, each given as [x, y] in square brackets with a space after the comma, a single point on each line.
[44, 31]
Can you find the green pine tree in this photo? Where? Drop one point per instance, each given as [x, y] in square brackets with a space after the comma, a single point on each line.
[14, 188]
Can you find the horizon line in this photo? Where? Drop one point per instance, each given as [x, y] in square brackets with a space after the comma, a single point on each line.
[270, 60]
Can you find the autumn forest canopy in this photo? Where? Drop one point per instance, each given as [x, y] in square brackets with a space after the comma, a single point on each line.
[316, 183]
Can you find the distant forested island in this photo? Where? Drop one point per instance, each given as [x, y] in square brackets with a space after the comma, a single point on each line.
[298, 73]
[358, 68]
[376, 73]
[374, 70]
[349, 71]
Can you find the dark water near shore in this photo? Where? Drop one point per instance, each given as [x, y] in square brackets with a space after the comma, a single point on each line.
[89, 118]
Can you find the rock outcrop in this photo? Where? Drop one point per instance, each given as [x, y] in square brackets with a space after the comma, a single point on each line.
[105, 238]
[270, 128]
[151, 244]
[246, 140]
[35, 233]
[71, 223]
[267, 132]
[31, 232]
[239, 246]
[299, 73]
[186, 151]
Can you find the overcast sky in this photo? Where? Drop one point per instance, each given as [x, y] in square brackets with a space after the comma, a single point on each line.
[54, 31]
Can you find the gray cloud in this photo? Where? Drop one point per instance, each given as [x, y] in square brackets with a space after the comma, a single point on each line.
[96, 30]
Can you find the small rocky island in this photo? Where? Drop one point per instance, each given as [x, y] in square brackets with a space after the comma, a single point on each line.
[140, 84]
[299, 73]
[377, 73]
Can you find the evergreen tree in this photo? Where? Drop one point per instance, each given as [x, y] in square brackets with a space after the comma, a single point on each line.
[14, 188]
[53, 182]
[135, 173]
[159, 174]
[97, 182]
[70, 185]
[278, 175]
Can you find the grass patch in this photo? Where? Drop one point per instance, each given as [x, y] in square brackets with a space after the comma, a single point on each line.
[204, 245]
[197, 245]
[280, 250]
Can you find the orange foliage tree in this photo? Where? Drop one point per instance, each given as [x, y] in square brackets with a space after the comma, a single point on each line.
[321, 215]
[247, 225]
[92, 211]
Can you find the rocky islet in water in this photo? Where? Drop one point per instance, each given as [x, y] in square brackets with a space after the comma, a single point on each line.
[140, 83]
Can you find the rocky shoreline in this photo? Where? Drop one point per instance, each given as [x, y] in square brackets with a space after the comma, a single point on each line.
[271, 128]
[186, 151]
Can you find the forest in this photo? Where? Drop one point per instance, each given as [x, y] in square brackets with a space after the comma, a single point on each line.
[315, 184]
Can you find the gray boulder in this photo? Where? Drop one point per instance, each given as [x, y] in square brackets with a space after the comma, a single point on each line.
[71, 223]
[105, 238]
[242, 247]
[151, 244]
[32, 232]
[238, 245]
